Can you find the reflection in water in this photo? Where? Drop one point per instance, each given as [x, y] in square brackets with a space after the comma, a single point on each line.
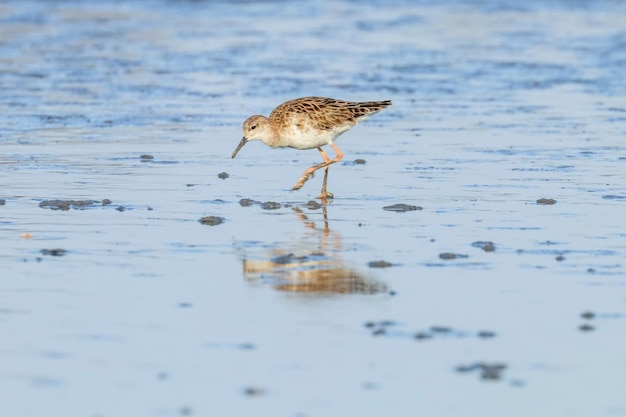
[313, 265]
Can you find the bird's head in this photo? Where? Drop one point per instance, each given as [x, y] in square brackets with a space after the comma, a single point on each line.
[254, 128]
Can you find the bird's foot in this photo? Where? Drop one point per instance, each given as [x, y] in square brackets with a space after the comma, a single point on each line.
[304, 178]
[326, 197]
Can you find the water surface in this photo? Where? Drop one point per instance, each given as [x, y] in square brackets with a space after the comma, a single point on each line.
[480, 303]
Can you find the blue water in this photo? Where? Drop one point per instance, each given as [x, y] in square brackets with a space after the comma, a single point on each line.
[284, 309]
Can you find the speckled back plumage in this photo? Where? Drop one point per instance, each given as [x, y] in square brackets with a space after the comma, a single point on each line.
[326, 113]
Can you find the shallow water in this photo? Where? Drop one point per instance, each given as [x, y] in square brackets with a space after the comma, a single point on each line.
[134, 307]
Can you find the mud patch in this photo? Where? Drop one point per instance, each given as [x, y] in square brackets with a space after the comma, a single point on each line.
[247, 202]
[447, 256]
[53, 252]
[271, 205]
[401, 208]
[487, 246]
[393, 328]
[588, 315]
[254, 391]
[487, 371]
[65, 205]
[448, 332]
[586, 328]
[379, 264]
[211, 220]
[379, 328]
[546, 201]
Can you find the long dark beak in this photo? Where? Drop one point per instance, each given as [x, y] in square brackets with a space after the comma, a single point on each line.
[243, 142]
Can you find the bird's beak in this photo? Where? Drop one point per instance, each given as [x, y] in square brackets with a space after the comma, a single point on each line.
[243, 142]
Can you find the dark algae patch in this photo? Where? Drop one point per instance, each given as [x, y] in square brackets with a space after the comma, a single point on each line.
[441, 329]
[379, 264]
[53, 252]
[211, 220]
[433, 333]
[401, 208]
[588, 315]
[268, 205]
[487, 371]
[446, 256]
[65, 205]
[253, 391]
[486, 246]
[546, 201]
[423, 336]
[379, 328]
[247, 202]
[271, 205]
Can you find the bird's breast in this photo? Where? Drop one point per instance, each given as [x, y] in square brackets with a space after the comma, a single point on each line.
[303, 138]
[305, 135]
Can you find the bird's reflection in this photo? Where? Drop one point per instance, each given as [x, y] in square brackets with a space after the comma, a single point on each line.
[311, 265]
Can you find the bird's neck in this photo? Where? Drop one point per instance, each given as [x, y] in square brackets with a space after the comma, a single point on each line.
[272, 138]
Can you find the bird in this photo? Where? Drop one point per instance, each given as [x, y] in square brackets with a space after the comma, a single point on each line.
[307, 123]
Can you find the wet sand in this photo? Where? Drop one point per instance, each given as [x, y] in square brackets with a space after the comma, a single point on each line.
[472, 262]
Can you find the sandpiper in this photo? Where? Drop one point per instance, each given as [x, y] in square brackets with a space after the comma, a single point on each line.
[307, 123]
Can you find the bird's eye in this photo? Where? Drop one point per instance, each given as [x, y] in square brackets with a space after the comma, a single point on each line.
[252, 127]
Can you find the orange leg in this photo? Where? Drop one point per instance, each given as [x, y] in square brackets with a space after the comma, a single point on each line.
[325, 194]
[310, 171]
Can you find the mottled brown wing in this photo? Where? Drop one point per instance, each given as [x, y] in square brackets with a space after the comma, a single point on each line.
[365, 109]
[327, 113]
